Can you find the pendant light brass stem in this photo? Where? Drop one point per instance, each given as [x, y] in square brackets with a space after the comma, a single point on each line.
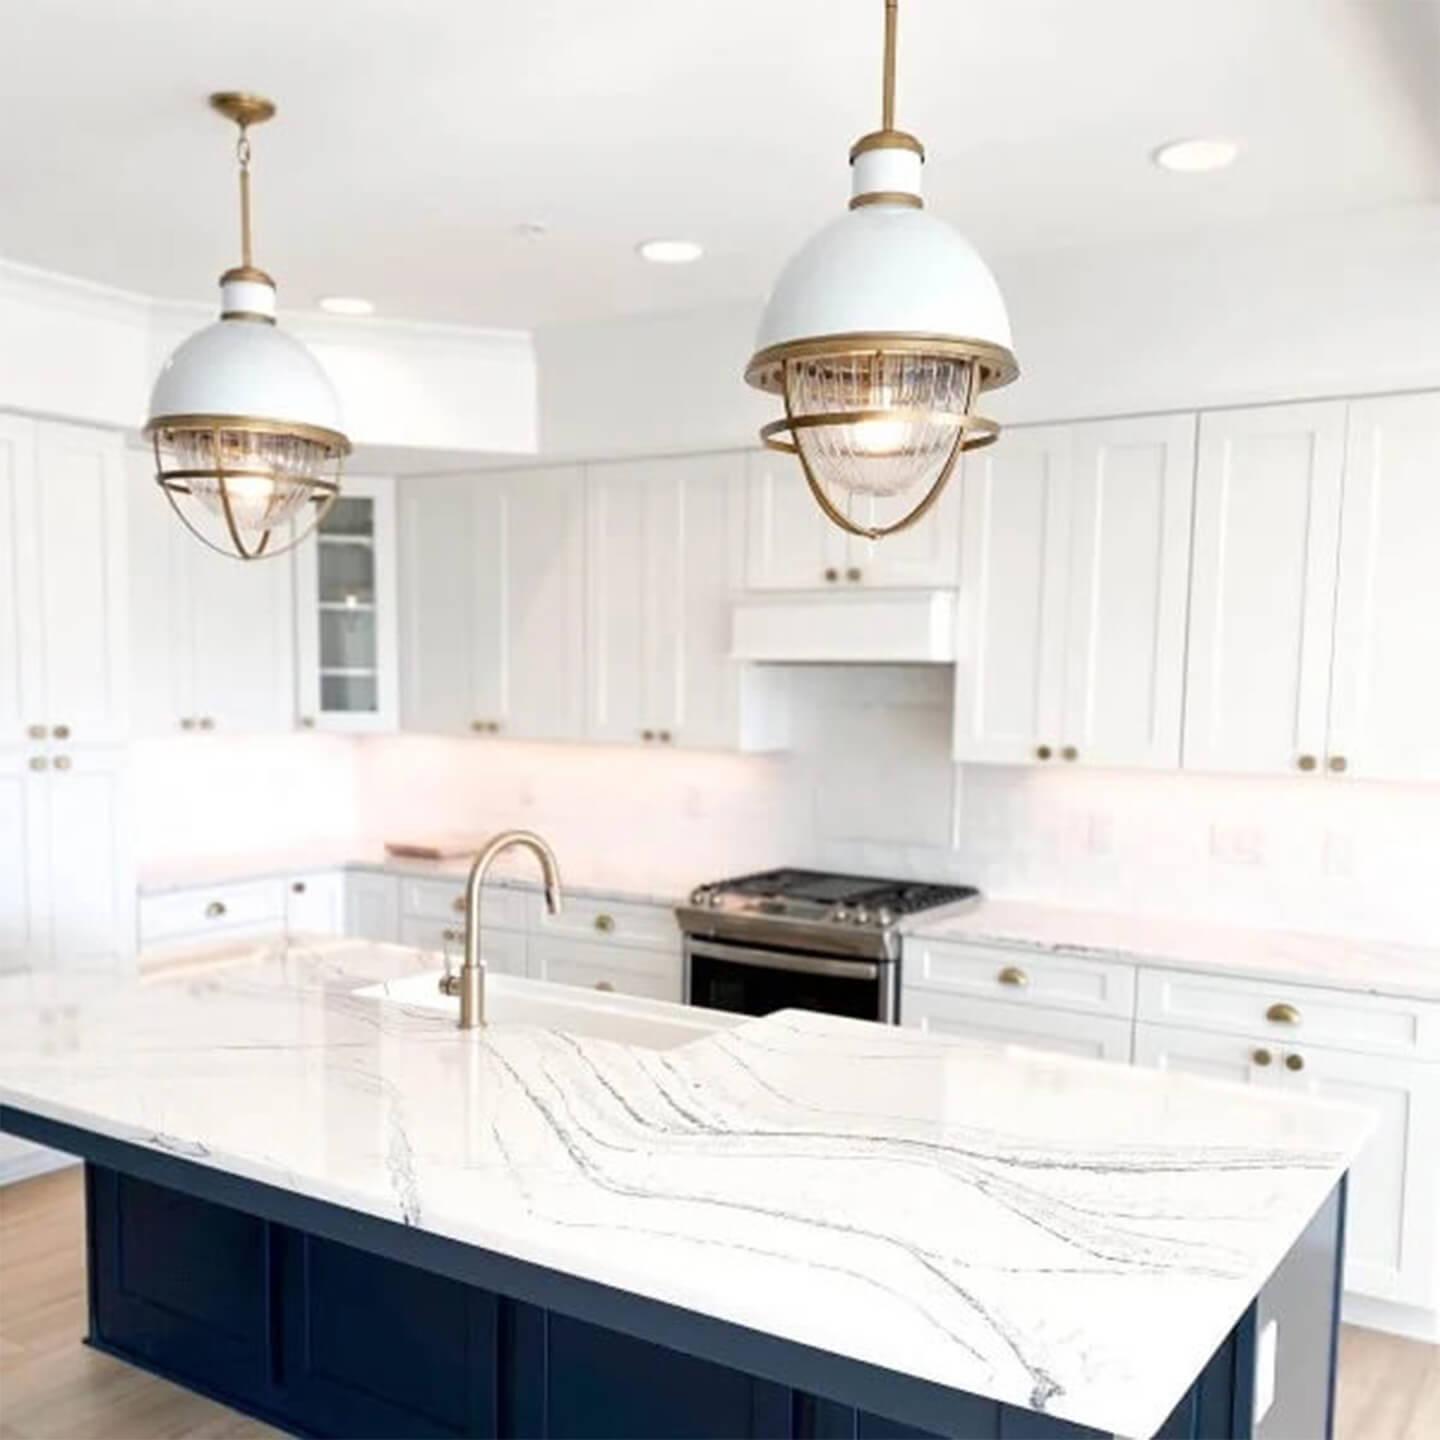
[242, 151]
[887, 109]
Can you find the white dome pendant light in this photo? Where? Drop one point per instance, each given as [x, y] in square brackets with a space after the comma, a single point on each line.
[245, 423]
[879, 336]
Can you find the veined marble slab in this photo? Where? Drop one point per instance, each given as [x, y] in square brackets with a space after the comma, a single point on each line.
[1378, 967]
[1069, 1236]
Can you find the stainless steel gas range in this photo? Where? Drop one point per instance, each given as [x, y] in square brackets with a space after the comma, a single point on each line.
[804, 938]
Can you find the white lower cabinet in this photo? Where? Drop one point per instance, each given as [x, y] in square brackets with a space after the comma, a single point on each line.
[625, 969]
[1392, 1225]
[315, 903]
[372, 906]
[1000, 1022]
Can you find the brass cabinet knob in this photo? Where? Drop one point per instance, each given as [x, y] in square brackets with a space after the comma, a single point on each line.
[61, 732]
[1043, 752]
[647, 734]
[605, 923]
[1013, 975]
[39, 762]
[604, 985]
[187, 722]
[1261, 1056]
[36, 732]
[1283, 1014]
[307, 722]
[1306, 762]
[831, 574]
[478, 726]
[215, 909]
[853, 573]
[1338, 763]
[62, 762]
[664, 736]
[1294, 1062]
[297, 887]
[1069, 753]
[207, 722]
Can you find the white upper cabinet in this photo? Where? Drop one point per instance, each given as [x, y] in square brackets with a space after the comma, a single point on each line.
[1385, 687]
[212, 637]
[664, 564]
[63, 655]
[1010, 670]
[793, 546]
[1267, 529]
[345, 621]
[1131, 488]
[24, 877]
[493, 604]
[1076, 545]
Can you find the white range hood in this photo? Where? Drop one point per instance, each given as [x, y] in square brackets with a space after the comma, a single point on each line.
[868, 626]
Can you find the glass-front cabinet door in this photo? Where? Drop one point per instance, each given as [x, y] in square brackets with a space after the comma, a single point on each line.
[345, 595]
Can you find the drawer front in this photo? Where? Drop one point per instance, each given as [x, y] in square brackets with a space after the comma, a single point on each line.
[1020, 977]
[193, 914]
[1299, 1014]
[500, 909]
[627, 970]
[611, 922]
[995, 1022]
[504, 951]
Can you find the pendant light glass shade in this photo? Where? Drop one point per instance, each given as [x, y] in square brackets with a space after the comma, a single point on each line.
[245, 423]
[879, 338]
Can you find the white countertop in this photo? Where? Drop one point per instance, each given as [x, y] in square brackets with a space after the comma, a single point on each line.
[1054, 1233]
[1375, 966]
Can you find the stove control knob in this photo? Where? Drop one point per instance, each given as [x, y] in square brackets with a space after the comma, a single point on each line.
[716, 899]
[861, 916]
[840, 913]
[700, 896]
[885, 915]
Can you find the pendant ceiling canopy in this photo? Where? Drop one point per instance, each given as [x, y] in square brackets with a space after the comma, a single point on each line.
[245, 423]
[879, 338]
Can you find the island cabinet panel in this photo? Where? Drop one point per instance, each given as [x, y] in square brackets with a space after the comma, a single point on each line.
[346, 1324]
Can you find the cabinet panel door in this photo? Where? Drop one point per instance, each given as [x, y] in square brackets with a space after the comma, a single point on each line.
[24, 845]
[1385, 697]
[315, 904]
[91, 865]
[790, 545]
[241, 638]
[1199, 1052]
[1131, 493]
[1009, 676]
[1267, 518]
[1392, 1220]
[372, 906]
[543, 615]
[619, 662]
[160, 689]
[927, 554]
[437, 566]
[1000, 1023]
[80, 541]
[21, 638]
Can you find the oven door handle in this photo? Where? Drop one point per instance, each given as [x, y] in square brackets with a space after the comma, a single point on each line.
[784, 960]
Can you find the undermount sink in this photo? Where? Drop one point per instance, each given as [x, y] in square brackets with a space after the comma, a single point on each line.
[628, 1019]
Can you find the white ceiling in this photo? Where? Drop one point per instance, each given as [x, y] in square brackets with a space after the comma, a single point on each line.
[414, 135]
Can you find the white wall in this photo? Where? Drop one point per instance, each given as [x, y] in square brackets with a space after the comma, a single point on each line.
[1340, 306]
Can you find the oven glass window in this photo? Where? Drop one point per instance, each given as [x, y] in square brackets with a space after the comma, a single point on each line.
[757, 990]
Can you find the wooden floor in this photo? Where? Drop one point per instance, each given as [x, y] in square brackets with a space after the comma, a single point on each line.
[53, 1388]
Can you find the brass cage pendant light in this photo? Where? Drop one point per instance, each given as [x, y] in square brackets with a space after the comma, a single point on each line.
[243, 421]
[879, 337]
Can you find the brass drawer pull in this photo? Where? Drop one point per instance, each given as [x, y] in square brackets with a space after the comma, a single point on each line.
[605, 923]
[1013, 975]
[1043, 752]
[1338, 764]
[1262, 1056]
[307, 722]
[39, 762]
[187, 722]
[297, 887]
[853, 574]
[604, 985]
[61, 732]
[207, 722]
[37, 732]
[1283, 1014]
[1306, 763]
[62, 762]
[1069, 753]
[215, 909]
[664, 736]
[647, 734]
[831, 574]
[1294, 1062]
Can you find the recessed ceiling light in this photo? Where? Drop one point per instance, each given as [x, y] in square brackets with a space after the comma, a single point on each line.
[670, 252]
[346, 305]
[1193, 157]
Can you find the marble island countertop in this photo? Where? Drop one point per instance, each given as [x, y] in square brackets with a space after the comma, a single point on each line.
[1064, 1235]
